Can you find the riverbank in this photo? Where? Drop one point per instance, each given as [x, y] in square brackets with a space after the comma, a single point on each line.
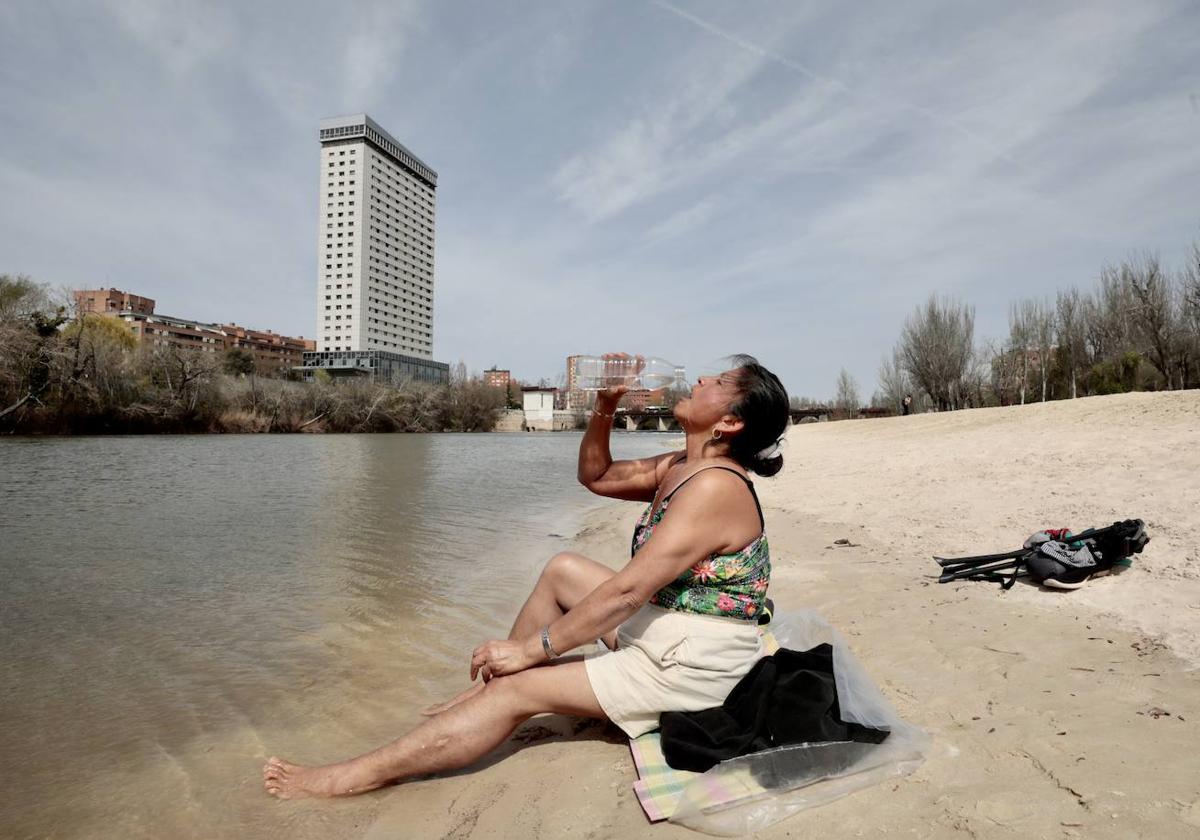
[164, 400]
[1054, 714]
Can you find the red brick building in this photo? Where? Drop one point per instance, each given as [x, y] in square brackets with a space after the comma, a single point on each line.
[496, 378]
[111, 302]
[273, 353]
[576, 397]
[637, 399]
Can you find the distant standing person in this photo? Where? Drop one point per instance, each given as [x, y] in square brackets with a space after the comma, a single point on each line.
[906, 405]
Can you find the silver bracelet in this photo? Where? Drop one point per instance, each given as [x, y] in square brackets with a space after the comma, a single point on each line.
[602, 414]
[546, 646]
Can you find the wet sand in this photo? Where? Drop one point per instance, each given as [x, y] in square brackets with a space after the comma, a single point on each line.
[1054, 714]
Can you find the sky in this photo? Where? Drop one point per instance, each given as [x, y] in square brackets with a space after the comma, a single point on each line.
[679, 179]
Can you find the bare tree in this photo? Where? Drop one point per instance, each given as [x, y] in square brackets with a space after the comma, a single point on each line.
[1031, 339]
[1154, 314]
[20, 297]
[937, 344]
[1189, 290]
[185, 373]
[1042, 334]
[1107, 315]
[847, 400]
[893, 381]
[1004, 370]
[975, 379]
[1070, 330]
[29, 354]
[1020, 334]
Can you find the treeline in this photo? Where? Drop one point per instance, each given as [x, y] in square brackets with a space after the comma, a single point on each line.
[63, 374]
[1138, 329]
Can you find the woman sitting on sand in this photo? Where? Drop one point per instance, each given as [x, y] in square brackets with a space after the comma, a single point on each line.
[680, 620]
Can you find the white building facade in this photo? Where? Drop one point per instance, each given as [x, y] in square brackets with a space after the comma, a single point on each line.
[375, 252]
[539, 409]
[539, 412]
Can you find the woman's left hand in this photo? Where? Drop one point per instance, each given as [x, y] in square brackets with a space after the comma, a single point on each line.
[499, 658]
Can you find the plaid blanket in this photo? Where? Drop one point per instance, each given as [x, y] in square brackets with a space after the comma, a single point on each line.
[659, 787]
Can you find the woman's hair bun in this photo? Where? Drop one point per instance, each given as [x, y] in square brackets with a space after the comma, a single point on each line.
[762, 405]
[768, 467]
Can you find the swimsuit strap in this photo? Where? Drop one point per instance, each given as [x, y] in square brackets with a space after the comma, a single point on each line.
[761, 521]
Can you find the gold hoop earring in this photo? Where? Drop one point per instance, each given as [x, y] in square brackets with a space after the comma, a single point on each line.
[716, 434]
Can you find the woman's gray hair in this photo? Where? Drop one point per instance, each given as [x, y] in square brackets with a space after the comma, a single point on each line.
[762, 406]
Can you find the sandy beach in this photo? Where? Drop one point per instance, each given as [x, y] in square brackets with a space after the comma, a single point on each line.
[1054, 714]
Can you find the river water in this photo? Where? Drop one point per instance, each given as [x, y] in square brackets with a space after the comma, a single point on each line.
[175, 609]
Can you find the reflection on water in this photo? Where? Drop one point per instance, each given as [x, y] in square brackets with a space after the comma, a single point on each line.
[173, 608]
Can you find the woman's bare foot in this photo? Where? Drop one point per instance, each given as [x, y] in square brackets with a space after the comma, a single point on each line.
[293, 781]
[449, 704]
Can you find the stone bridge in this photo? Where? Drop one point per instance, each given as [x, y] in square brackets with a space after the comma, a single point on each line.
[815, 414]
[648, 420]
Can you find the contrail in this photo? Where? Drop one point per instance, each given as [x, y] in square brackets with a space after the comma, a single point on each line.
[746, 45]
[809, 73]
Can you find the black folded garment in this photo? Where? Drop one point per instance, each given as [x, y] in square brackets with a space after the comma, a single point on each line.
[787, 698]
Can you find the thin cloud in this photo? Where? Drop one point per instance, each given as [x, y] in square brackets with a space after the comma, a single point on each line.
[812, 75]
[604, 166]
[184, 35]
[654, 150]
[683, 222]
[373, 50]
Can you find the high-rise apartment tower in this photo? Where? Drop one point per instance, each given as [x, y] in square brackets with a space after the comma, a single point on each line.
[374, 255]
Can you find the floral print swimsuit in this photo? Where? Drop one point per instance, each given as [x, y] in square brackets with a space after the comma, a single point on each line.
[728, 585]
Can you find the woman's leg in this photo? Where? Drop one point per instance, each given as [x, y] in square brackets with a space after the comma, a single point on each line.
[565, 581]
[453, 739]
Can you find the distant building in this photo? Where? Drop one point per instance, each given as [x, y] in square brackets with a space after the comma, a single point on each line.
[576, 397]
[111, 302]
[635, 399]
[166, 331]
[496, 378]
[375, 257]
[638, 398]
[377, 365]
[539, 408]
[273, 353]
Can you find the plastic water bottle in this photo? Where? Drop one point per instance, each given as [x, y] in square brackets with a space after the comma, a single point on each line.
[593, 373]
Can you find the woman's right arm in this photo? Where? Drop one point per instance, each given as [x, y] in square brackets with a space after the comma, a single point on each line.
[635, 481]
[696, 525]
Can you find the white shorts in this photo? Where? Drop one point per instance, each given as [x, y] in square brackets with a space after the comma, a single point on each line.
[670, 661]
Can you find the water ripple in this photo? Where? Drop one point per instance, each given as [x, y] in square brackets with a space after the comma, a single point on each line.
[173, 607]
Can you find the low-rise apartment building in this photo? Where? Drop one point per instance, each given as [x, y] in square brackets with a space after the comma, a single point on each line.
[577, 398]
[111, 302]
[638, 399]
[273, 353]
[496, 378]
[165, 331]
